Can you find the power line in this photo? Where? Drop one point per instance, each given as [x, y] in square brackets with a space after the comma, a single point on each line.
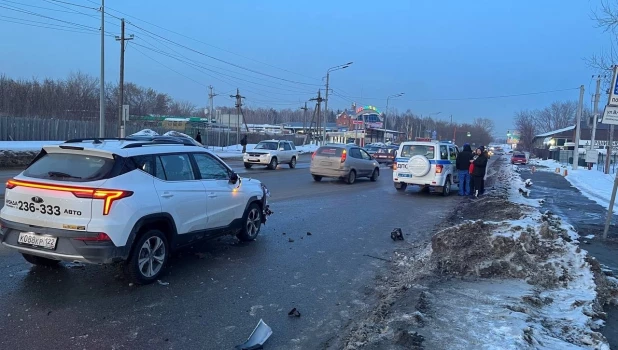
[83, 31]
[38, 7]
[73, 4]
[220, 60]
[205, 43]
[472, 98]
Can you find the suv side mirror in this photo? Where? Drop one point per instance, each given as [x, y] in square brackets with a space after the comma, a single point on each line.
[234, 178]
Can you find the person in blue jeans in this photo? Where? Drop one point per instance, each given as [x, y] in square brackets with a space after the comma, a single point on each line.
[462, 164]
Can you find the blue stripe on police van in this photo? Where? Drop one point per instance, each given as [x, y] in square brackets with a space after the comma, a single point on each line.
[443, 162]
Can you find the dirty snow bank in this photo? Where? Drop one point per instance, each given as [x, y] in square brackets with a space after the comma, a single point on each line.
[502, 276]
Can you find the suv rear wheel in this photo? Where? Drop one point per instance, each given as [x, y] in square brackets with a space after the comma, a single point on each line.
[148, 257]
[273, 164]
[374, 175]
[40, 261]
[351, 177]
[293, 163]
[252, 222]
[446, 190]
[317, 178]
[400, 186]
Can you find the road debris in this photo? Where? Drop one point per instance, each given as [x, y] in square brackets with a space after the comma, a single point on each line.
[258, 337]
[290, 240]
[294, 313]
[163, 283]
[308, 233]
[397, 234]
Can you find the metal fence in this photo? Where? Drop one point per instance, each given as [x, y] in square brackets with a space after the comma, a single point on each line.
[565, 157]
[50, 129]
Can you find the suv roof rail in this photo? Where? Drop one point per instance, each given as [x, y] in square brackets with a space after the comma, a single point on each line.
[99, 139]
[158, 142]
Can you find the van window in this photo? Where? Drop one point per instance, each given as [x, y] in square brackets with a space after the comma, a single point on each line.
[443, 152]
[409, 151]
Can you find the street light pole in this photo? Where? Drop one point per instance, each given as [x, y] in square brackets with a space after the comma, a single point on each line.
[331, 69]
[386, 113]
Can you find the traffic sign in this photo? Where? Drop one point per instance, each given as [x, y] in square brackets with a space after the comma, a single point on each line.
[610, 115]
[357, 122]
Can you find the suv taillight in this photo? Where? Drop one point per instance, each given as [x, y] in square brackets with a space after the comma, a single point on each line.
[439, 168]
[108, 196]
[100, 237]
[344, 156]
[313, 155]
[394, 166]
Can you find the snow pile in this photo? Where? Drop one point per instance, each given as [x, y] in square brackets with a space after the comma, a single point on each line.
[146, 132]
[522, 283]
[177, 134]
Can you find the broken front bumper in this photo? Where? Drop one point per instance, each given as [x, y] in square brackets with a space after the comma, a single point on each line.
[266, 212]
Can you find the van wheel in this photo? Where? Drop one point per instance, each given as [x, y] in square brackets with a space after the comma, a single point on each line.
[401, 187]
[252, 222]
[317, 178]
[40, 261]
[351, 177]
[148, 257]
[446, 190]
[374, 175]
[248, 165]
[293, 163]
[273, 164]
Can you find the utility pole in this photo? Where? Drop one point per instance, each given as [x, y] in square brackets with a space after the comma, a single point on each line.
[319, 101]
[211, 104]
[612, 200]
[595, 113]
[578, 130]
[121, 121]
[305, 122]
[326, 106]
[238, 105]
[102, 78]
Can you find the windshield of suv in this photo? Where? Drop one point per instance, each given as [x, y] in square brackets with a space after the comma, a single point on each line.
[271, 146]
[69, 167]
[409, 151]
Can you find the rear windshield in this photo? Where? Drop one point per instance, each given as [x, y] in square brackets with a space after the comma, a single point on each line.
[519, 156]
[385, 150]
[70, 167]
[418, 150]
[330, 151]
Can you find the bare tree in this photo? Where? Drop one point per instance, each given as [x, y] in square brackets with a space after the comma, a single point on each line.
[525, 123]
[606, 18]
[485, 124]
[556, 116]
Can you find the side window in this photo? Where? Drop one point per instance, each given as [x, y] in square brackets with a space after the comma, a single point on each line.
[365, 155]
[160, 172]
[355, 153]
[144, 163]
[177, 167]
[210, 168]
[443, 152]
[293, 145]
[280, 145]
[453, 153]
[286, 146]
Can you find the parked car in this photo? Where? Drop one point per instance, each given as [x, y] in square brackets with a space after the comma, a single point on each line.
[385, 155]
[121, 200]
[519, 158]
[272, 153]
[428, 164]
[344, 161]
[371, 149]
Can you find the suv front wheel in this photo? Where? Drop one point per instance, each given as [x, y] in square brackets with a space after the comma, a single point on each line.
[252, 222]
[148, 257]
[273, 164]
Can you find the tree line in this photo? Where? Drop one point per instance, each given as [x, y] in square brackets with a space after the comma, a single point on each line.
[77, 97]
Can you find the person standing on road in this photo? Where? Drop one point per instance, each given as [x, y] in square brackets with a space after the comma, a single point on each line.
[198, 137]
[463, 170]
[243, 143]
[478, 173]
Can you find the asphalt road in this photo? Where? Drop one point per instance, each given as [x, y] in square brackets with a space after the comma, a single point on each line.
[218, 291]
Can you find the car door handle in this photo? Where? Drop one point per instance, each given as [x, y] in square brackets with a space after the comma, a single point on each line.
[167, 195]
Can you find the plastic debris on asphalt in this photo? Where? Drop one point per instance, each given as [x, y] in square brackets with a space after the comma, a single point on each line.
[294, 313]
[258, 337]
[397, 234]
[163, 283]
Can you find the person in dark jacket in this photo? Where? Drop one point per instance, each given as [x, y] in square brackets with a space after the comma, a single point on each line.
[198, 137]
[463, 166]
[478, 173]
[243, 143]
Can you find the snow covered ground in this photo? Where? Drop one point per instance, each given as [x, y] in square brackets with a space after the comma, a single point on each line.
[594, 184]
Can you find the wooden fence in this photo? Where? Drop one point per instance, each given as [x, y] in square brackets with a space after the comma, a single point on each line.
[50, 129]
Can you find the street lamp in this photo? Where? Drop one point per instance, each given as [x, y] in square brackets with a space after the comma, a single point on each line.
[331, 69]
[386, 112]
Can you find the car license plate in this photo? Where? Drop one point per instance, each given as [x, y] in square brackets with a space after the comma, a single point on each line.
[404, 175]
[326, 163]
[29, 238]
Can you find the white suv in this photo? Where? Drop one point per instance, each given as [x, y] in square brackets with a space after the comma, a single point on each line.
[123, 200]
[272, 153]
[429, 164]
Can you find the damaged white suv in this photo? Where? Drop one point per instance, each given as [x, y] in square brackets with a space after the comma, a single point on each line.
[123, 200]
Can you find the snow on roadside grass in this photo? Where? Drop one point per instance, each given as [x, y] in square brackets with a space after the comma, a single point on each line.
[532, 287]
